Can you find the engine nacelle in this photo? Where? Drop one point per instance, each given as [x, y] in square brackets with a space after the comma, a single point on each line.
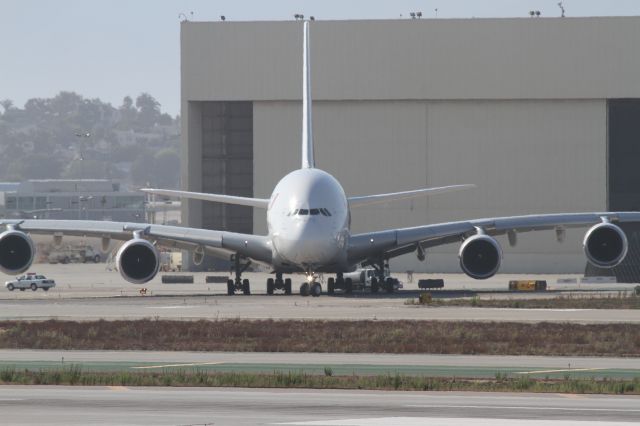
[480, 256]
[605, 245]
[16, 252]
[138, 261]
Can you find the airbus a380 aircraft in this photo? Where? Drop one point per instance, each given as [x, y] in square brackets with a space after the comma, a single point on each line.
[308, 217]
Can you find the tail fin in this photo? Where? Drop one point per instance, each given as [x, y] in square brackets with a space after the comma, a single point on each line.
[307, 129]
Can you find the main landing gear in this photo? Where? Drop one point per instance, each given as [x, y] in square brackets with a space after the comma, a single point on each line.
[239, 284]
[340, 283]
[279, 284]
[311, 287]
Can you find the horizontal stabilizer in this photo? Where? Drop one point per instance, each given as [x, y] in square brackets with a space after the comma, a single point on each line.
[219, 198]
[384, 198]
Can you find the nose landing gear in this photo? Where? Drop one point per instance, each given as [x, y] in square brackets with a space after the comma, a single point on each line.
[311, 287]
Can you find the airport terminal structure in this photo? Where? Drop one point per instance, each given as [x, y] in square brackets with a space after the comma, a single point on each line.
[542, 114]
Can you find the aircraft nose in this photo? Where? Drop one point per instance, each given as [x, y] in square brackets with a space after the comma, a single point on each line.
[307, 243]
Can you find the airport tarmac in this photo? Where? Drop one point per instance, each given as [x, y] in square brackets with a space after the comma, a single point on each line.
[96, 280]
[285, 307]
[60, 405]
[479, 366]
[89, 292]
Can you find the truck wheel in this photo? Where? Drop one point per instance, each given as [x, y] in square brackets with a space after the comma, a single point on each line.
[374, 285]
[10, 287]
[65, 260]
[389, 284]
[96, 258]
[34, 287]
[45, 288]
[348, 285]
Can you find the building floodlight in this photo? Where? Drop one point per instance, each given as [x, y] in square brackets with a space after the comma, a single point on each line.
[413, 15]
[532, 13]
[223, 18]
[537, 13]
[419, 14]
[561, 6]
[312, 18]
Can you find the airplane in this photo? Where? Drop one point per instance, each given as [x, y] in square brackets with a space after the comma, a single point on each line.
[309, 220]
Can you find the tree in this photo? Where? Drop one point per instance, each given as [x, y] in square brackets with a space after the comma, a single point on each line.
[149, 111]
[7, 104]
[128, 114]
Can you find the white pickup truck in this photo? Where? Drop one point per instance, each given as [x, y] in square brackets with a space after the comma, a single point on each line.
[32, 281]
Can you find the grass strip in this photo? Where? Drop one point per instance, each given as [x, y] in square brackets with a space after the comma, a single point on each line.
[403, 336]
[75, 376]
[622, 300]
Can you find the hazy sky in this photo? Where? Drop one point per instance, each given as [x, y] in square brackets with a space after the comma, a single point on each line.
[109, 49]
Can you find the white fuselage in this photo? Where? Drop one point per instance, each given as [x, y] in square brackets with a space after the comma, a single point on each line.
[308, 219]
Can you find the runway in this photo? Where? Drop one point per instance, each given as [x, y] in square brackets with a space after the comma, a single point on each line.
[286, 307]
[28, 405]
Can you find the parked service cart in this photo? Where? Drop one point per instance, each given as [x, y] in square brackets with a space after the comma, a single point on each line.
[32, 281]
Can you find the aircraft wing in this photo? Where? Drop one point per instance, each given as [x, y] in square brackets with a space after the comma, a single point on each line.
[216, 243]
[396, 242]
[393, 196]
[220, 198]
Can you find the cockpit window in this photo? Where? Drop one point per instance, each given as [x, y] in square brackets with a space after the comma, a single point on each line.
[310, 212]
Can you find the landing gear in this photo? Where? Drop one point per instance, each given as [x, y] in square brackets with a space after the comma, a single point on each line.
[339, 282]
[316, 289]
[304, 289]
[311, 287]
[238, 284]
[278, 284]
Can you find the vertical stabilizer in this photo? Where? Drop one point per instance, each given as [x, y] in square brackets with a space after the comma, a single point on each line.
[307, 128]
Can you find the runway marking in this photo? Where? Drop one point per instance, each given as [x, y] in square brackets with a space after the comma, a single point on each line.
[515, 407]
[11, 399]
[172, 307]
[193, 364]
[438, 421]
[560, 371]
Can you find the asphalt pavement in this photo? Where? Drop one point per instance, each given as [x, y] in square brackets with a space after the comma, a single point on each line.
[59, 405]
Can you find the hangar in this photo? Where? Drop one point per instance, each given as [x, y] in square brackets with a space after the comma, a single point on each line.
[542, 114]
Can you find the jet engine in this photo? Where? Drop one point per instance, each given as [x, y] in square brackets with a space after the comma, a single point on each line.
[605, 245]
[16, 252]
[480, 256]
[138, 261]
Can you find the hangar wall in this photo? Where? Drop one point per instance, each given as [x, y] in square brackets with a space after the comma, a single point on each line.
[516, 106]
[524, 156]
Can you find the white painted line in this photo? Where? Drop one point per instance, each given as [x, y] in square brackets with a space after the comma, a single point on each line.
[437, 421]
[193, 364]
[566, 370]
[514, 407]
[171, 307]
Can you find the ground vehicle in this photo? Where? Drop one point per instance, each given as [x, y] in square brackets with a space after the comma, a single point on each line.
[32, 281]
[363, 279]
[71, 254]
